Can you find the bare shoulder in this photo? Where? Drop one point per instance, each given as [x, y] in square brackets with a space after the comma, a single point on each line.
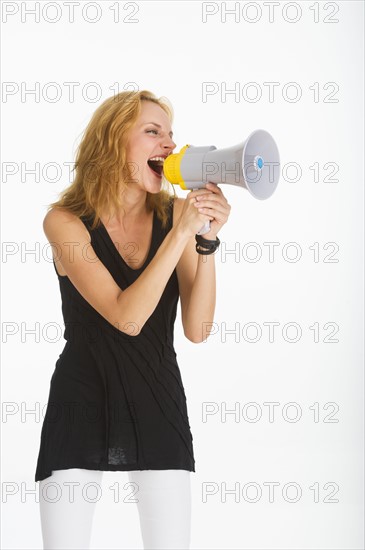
[64, 229]
[59, 221]
[76, 259]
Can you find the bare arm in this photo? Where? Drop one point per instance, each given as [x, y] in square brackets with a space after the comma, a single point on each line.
[197, 285]
[196, 272]
[144, 294]
[127, 309]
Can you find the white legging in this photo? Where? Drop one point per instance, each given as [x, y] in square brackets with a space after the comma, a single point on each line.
[164, 508]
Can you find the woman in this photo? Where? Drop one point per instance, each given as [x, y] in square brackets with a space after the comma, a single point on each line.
[125, 251]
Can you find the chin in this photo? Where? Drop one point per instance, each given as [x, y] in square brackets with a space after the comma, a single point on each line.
[155, 190]
[152, 185]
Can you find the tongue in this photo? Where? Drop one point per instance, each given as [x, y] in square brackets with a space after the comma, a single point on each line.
[154, 171]
[155, 167]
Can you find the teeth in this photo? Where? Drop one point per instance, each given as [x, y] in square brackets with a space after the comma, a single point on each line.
[158, 158]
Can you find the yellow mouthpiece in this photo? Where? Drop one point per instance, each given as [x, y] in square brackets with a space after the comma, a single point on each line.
[171, 168]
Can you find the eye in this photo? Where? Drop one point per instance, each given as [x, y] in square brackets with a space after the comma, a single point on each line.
[156, 132]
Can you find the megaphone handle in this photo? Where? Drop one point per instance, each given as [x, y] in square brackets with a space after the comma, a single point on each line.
[205, 228]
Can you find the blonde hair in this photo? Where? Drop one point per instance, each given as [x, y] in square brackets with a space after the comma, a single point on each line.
[102, 171]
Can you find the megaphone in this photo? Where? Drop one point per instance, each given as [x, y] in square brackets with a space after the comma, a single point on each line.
[253, 164]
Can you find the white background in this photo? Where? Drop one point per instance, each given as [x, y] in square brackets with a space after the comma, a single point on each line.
[172, 52]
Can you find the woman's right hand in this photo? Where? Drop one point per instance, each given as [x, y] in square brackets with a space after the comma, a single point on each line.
[191, 220]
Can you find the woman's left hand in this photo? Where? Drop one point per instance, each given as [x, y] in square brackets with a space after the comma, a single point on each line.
[214, 204]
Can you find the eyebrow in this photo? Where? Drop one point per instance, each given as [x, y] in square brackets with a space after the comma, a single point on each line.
[158, 126]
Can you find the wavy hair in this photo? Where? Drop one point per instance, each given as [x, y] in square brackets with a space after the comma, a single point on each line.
[101, 167]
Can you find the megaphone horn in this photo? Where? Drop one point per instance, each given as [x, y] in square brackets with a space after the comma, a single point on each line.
[253, 164]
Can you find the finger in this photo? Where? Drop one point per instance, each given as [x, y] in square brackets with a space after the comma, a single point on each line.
[211, 196]
[215, 212]
[214, 196]
[213, 187]
[198, 192]
[198, 196]
[212, 203]
[205, 216]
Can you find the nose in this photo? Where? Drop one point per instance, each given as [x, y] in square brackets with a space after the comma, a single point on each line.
[168, 143]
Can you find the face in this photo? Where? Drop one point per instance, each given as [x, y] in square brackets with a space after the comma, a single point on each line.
[150, 137]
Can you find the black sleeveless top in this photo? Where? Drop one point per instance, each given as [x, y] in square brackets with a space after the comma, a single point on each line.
[116, 401]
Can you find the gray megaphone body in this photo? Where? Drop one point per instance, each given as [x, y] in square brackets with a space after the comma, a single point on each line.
[253, 164]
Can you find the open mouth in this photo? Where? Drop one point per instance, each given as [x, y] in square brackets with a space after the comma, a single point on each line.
[156, 165]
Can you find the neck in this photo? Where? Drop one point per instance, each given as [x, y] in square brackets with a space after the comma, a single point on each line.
[134, 209]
